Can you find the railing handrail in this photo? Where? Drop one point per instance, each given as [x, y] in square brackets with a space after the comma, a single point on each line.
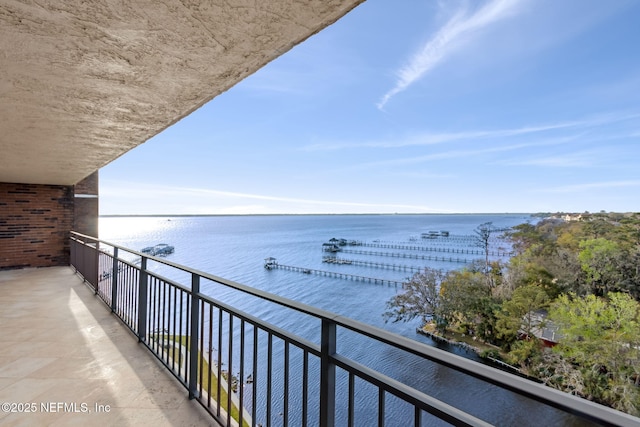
[522, 386]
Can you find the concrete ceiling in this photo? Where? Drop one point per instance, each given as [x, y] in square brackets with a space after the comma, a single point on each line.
[82, 82]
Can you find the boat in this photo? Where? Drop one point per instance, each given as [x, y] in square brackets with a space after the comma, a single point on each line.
[330, 247]
[435, 234]
[161, 249]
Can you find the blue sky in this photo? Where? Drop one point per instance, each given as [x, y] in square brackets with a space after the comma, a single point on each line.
[414, 106]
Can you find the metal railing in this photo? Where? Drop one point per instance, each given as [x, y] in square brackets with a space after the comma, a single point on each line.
[282, 378]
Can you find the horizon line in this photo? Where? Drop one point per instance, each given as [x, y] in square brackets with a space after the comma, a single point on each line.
[322, 214]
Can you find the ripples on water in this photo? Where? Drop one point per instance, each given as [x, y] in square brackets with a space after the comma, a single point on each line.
[234, 247]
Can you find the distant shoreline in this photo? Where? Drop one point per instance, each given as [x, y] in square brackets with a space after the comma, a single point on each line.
[309, 214]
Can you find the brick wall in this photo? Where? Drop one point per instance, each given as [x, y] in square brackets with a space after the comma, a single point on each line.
[89, 185]
[35, 221]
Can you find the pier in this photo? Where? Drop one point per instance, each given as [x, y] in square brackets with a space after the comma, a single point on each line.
[406, 255]
[341, 261]
[434, 249]
[461, 237]
[272, 263]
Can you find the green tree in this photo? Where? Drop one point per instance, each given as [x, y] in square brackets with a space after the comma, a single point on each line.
[524, 236]
[461, 300]
[525, 271]
[599, 259]
[602, 337]
[599, 226]
[420, 297]
[518, 318]
[630, 230]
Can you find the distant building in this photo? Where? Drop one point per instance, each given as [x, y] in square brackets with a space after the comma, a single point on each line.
[542, 328]
[572, 217]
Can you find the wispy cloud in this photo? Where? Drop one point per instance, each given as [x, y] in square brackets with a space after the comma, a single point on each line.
[570, 160]
[453, 154]
[592, 186]
[449, 38]
[445, 137]
[124, 190]
[440, 138]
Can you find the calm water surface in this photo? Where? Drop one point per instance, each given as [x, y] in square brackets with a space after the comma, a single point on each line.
[234, 247]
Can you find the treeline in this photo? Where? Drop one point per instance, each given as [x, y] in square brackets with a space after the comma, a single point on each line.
[565, 309]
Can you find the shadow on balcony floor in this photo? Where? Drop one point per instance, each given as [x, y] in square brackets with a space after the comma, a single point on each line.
[69, 361]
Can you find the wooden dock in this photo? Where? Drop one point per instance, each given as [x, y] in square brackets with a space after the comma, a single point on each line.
[342, 261]
[434, 249]
[407, 255]
[272, 263]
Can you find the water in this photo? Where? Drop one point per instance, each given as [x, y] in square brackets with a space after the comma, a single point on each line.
[234, 247]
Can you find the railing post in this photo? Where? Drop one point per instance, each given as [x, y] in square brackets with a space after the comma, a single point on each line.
[96, 264]
[81, 265]
[193, 338]
[114, 280]
[94, 268]
[73, 252]
[327, 374]
[142, 301]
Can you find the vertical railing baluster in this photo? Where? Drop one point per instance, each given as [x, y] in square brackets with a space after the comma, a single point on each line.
[269, 378]
[153, 305]
[219, 362]
[327, 374]
[417, 417]
[124, 290]
[92, 267]
[182, 335]
[210, 355]
[230, 370]
[351, 401]
[241, 379]
[255, 374]
[135, 277]
[202, 351]
[173, 326]
[142, 301]
[381, 408]
[187, 344]
[114, 280]
[285, 410]
[161, 327]
[193, 345]
[72, 252]
[305, 387]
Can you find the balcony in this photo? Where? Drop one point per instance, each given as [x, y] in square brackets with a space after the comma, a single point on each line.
[66, 351]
